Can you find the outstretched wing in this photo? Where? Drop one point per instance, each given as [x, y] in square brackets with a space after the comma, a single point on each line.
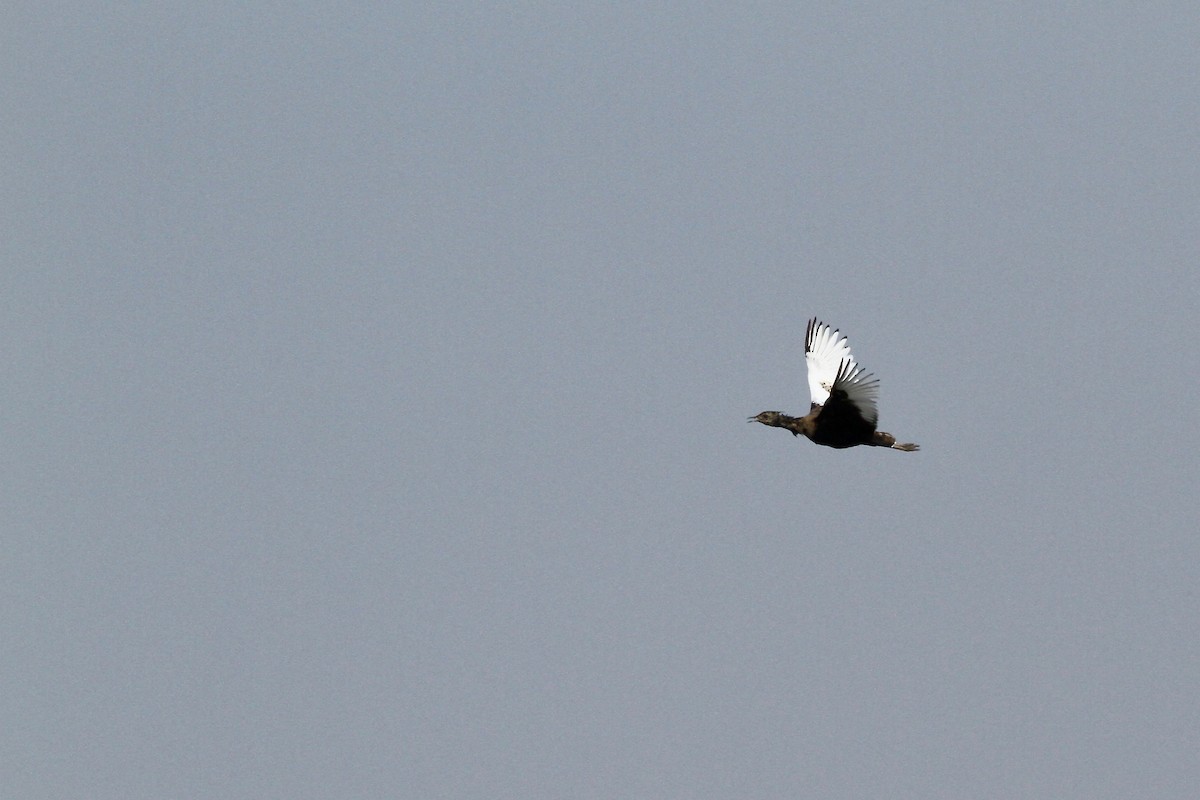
[854, 388]
[825, 350]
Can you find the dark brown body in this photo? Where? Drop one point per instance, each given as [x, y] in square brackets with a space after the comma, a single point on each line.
[833, 425]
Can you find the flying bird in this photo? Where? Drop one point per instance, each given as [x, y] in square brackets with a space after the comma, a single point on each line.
[843, 411]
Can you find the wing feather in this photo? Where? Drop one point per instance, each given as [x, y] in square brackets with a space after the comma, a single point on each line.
[861, 389]
[825, 350]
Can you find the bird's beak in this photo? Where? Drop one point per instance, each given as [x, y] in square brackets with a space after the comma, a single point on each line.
[751, 419]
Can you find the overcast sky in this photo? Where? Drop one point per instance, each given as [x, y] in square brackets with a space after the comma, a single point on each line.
[376, 380]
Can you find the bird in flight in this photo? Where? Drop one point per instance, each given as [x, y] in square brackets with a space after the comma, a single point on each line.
[843, 411]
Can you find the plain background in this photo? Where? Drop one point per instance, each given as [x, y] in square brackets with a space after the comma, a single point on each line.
[376, 378]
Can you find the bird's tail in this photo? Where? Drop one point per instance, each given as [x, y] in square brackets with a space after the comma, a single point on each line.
[887, 440]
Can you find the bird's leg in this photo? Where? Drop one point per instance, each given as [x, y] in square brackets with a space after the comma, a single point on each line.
[882, 439]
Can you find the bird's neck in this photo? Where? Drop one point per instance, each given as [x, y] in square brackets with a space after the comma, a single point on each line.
[794, 424]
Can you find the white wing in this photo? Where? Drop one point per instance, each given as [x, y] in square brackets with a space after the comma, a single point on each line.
[825, 350]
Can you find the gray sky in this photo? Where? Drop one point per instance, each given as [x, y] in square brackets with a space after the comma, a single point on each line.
[376, 383]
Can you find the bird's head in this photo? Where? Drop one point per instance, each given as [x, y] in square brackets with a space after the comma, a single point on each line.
[767, 418]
